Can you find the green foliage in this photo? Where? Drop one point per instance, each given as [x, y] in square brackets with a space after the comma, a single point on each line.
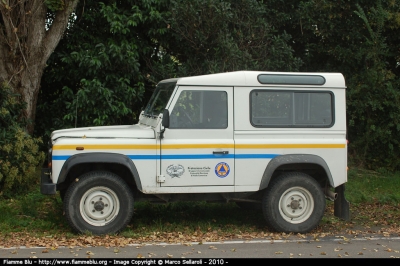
[97, 75]
[359, 39]
[105, 68]
[210, 36]
[374, 99]
[55, 5]
[19, 152]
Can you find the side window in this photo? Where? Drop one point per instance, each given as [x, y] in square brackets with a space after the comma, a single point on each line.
[200, 109]
[291, 109]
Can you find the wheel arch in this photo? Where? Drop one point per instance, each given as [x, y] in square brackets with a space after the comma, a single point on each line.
[86, 162]
[297, 162]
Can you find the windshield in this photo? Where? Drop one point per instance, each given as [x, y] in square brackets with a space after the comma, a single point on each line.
[159, 99]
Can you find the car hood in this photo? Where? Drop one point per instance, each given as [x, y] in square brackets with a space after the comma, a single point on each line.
[128, 131]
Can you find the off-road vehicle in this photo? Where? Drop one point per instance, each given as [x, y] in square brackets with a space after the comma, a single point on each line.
[268, 138]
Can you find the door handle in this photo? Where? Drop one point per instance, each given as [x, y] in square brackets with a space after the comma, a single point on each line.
[220, 152]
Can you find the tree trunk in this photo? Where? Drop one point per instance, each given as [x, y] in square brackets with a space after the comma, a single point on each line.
[27, 39]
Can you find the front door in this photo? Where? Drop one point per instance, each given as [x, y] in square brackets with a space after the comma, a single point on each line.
[198, 147]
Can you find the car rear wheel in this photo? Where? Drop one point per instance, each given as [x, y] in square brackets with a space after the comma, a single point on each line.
[293, 202]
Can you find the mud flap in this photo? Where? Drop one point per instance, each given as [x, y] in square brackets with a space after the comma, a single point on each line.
[342, 206]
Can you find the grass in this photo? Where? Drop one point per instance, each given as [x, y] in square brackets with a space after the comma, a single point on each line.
[374, 197]
[189, 217]
[373, 186]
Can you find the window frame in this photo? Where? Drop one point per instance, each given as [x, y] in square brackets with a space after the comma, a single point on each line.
[178, 95]
[292, 125]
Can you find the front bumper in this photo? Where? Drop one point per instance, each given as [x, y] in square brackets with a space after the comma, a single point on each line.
[47, 187]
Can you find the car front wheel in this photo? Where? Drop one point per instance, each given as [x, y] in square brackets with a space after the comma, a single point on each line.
[98, 202]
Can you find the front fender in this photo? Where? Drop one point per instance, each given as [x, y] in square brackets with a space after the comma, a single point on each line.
[99, 157]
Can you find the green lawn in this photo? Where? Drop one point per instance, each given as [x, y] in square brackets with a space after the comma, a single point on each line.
[374, 198]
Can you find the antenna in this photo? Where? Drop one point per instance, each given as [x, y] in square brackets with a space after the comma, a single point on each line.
[76, 109]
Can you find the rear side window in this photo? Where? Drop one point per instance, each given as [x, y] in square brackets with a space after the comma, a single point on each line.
[291, 108]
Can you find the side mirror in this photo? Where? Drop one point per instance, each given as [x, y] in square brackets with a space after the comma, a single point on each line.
[165, 119]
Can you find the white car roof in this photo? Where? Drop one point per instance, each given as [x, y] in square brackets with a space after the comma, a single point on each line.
[250, 78]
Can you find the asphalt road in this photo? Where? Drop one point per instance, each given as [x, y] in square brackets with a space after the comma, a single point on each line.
[294, 247]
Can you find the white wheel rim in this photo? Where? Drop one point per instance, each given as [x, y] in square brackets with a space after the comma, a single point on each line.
[296, 205]
[99, 206]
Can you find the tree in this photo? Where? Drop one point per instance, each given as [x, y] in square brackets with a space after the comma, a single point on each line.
[29, 32]
[210, 36]
[359, 39]
[111, 58]
[97, 74]
[19, 151]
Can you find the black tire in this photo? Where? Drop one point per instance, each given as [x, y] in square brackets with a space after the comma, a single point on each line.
[94, 198]
[293, 202]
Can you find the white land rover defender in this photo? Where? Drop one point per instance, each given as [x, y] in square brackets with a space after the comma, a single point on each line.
[276, 139]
